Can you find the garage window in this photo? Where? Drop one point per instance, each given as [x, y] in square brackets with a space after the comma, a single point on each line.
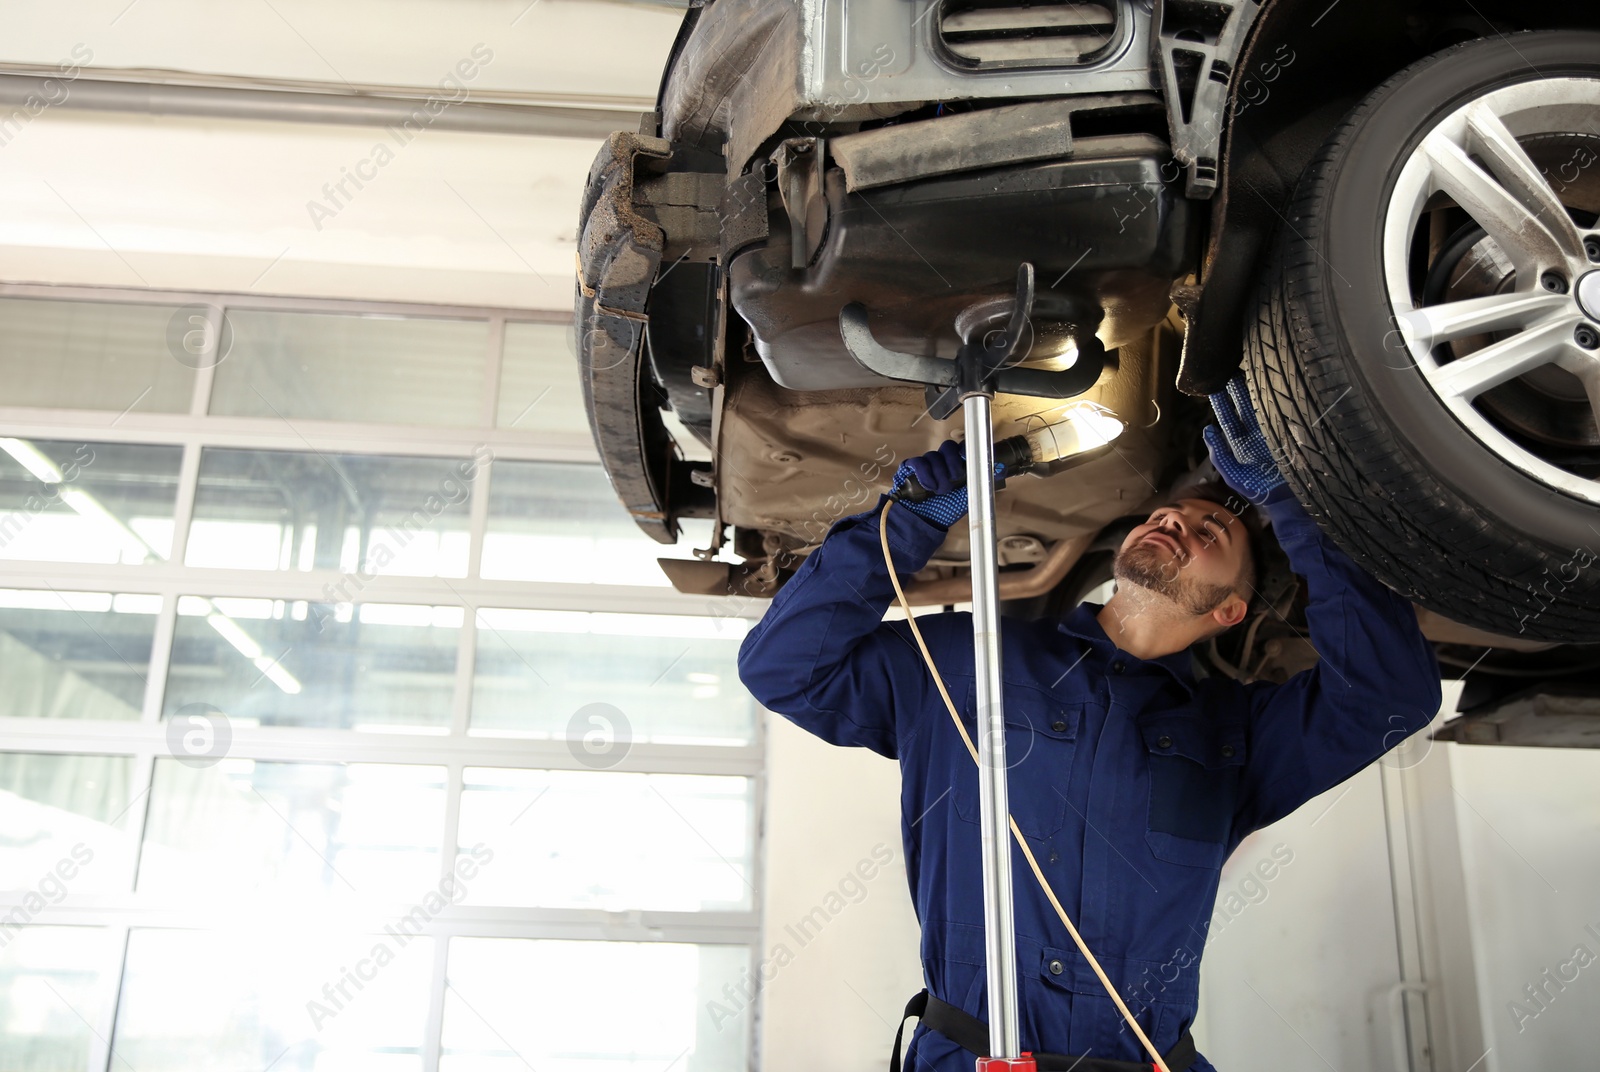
[351, 367]
[348, 716]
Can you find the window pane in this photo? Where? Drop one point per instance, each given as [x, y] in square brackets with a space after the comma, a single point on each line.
[352, 367]
[609, 840]
[539, 388]
[368, 831]
[66, 823]
[272, 999]
[67, 501]
[95, 355]
[74, 654]
[274, 662]
[514, 1004]
[664, 678]
[280, 510]
[51, 989]
[550, 521]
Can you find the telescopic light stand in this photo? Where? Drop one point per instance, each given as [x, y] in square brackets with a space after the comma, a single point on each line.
[982, 367]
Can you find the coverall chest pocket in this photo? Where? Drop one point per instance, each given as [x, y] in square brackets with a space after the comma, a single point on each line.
[1194, 786]
[1041, 738]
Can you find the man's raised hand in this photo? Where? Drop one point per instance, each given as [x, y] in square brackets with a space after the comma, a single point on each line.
[1240, 451]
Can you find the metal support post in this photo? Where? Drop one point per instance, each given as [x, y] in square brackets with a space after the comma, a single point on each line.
[1000, 934]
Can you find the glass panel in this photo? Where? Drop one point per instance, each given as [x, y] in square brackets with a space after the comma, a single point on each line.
[52, 984]
[539, 387]
[305, 831]
[74, 654]
[656, 677]
[352, 367]
[67, 501]
[274, 662]
[289, 1000]
[514, 1004]
[96, 355]
[608, 840]
[66, 827]
[551, 521]
[357, 513]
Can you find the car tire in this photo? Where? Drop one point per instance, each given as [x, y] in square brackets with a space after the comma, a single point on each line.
[1368, 430]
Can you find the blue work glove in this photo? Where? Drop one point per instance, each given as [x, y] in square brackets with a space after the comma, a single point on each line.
[1240, 451]
[942, 472]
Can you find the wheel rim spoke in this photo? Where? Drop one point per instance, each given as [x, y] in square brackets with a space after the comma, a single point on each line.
[1430, 325]
[1524, 238]
[1505, 360]
[1521, 177]
[1585, 368]
[1590, 378]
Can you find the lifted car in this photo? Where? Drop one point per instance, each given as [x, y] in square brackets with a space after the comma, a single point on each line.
[1386, 211]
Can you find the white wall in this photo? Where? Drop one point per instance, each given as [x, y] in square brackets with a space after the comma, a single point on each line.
[834, 1004]
[1303, 953]
[1530, 839]
[542, 46]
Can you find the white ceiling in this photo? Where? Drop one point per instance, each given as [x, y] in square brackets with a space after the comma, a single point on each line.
[485, 219]
[543, 46]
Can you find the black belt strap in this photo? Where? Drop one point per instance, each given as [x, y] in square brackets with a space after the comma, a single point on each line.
[972, 1035]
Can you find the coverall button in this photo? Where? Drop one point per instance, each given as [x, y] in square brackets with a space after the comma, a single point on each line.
[1163, 742]
[1059, 726]
[1116, 666]
[1227, 751]
[1056, 967]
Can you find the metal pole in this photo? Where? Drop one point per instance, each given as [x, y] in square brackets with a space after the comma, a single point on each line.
[311, 103]
[999, 924]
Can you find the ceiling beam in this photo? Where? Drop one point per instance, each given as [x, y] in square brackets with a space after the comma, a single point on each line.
[28, 89]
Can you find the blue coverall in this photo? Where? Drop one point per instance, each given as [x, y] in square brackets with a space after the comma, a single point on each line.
[1131, 780]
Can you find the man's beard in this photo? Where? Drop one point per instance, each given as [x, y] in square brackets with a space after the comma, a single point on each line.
[1143, 565]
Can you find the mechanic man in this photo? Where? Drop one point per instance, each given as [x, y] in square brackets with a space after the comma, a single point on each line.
[1131, 780]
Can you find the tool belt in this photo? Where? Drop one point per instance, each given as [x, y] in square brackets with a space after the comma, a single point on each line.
[972, 1035]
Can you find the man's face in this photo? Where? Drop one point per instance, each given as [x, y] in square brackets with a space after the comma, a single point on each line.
[1191, 552]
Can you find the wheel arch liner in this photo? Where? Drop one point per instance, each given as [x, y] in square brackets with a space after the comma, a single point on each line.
[619, 253]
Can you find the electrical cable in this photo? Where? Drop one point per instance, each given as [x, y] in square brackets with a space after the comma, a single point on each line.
[1077, 939]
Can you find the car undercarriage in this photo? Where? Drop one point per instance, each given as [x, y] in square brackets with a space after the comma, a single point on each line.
[1180, 179]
